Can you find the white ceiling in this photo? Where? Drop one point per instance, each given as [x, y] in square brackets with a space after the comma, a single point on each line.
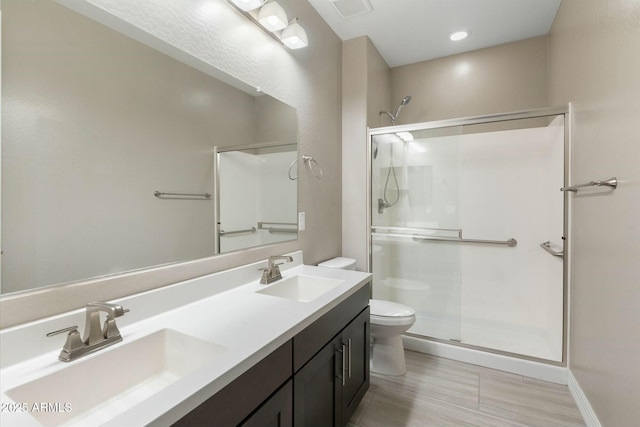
[410, 31]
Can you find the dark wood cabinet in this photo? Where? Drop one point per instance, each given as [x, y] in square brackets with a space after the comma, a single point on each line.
[315, 379]
[231, 405]
[329, 387]
[316, 390]
[275, 412]
[355, 338]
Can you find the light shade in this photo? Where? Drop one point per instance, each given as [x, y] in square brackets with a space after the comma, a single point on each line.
[294, 36]
[273, 17]
[248, 5]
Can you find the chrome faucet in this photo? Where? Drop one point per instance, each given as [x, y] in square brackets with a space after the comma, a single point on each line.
[95, 337]
[272, 272]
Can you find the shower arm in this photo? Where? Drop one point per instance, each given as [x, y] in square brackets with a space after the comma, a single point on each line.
[392, 117]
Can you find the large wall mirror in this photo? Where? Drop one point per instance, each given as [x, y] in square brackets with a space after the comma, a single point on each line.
[109, 150]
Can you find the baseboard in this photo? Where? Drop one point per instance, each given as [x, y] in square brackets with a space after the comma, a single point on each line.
[582, 402]
[527, 368]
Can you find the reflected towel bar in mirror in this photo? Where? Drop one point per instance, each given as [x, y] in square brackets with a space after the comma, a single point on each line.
[611, 182]
[248, 230]
[185, 196]
[261, 226]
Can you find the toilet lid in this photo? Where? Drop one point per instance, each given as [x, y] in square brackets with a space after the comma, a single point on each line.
[389, 309]
[339, 262]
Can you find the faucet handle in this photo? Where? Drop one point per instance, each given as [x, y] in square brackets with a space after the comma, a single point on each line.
[62, 331]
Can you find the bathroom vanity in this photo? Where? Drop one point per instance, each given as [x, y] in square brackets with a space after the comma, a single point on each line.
[316, 378]
[218, 350]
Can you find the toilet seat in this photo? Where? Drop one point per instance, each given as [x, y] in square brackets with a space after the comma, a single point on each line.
[393, 321]
[389, 309]
[387, 313]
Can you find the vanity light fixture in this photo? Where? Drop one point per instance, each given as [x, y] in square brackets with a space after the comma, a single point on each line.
[294, 36]
[272, 18]
[459, 35]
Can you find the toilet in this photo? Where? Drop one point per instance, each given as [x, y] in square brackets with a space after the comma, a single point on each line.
[388, 320]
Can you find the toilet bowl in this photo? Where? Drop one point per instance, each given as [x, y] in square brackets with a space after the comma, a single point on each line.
[388, 320]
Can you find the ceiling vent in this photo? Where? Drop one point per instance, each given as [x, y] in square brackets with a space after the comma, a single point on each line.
[351, 8]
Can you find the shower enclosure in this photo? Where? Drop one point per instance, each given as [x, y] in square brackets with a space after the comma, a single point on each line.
[468, 228]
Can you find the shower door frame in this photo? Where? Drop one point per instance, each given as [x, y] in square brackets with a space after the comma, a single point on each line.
[565, 111]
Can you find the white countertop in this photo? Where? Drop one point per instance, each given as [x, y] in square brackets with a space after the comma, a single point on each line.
[222, 308]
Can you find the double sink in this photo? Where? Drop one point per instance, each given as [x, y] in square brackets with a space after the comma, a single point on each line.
[115, 380]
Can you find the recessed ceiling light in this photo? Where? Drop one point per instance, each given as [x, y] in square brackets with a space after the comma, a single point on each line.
[459, 35]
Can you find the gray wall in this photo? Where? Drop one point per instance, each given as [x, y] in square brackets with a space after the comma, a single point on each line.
[365, 91]
[595, 64]
[497, 79]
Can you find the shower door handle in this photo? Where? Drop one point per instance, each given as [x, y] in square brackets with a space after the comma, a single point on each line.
[547, 247]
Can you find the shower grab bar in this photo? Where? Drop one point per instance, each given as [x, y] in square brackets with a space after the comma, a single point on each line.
[547, 247]
[248, 230]
[510, 242]
[186, 196]
[611, 182]
[401, 230]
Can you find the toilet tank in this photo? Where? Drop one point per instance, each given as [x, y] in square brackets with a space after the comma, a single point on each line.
[341, 263]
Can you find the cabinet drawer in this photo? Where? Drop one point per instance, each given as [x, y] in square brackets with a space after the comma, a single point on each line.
[233, 403]
[313, 338]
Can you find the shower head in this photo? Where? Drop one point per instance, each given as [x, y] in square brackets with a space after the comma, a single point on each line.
[404, 102]
[394, 117]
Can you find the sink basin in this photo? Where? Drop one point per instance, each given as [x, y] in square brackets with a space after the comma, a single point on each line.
[301, 288]
[98, 388]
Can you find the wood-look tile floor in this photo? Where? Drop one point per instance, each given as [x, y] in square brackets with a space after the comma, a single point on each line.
[442, 392]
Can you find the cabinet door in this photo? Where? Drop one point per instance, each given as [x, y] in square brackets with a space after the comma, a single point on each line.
[275, 412]
[355, 344]
[316, 391]
[236, 401]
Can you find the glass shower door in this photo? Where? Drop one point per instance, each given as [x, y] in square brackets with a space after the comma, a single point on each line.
[458, 217]
[414, 192]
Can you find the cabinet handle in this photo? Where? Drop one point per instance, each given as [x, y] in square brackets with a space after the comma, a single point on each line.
[349, 345]
[343, 377]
